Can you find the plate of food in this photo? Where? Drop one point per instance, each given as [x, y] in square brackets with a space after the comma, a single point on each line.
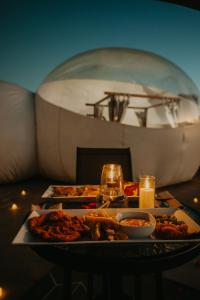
[84, 193]
[71, 192]
[97, 226]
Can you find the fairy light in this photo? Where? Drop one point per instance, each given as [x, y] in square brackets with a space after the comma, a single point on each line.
[14, 207]
[23, 193]
[1, 292]
[195, 200]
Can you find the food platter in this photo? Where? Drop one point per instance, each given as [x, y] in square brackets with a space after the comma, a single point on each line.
[71, 192]
[25, 237]
[83, 193]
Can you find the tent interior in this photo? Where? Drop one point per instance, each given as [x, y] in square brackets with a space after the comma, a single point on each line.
[138, 80]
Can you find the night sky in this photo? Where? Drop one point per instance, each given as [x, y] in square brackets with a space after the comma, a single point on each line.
[38, 35]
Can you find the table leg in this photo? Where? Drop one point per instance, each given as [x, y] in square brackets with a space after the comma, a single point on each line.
[158, 282]
[90, 285]
[67, 284]
[137, 287]
[113, 287]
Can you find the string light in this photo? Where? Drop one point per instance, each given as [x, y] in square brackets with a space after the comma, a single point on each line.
[14, 207]
[1, 292]
[23, 193]
[195, 200]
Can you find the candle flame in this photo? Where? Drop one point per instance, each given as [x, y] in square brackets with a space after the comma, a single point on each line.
[147, 183]
[111, 173]
[1, 292]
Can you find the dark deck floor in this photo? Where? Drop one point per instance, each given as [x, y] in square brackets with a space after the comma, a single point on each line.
[26, 276]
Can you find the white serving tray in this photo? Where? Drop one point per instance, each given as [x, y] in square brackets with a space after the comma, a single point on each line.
[24, 237]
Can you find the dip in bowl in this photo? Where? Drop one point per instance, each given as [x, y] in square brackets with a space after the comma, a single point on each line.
[136, 224]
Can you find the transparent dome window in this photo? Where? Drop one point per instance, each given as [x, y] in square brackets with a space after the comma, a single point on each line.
[130, 86]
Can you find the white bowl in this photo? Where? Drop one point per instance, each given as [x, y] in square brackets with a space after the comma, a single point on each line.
[136, 230]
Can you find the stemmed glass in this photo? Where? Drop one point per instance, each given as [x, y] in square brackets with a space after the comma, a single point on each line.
[111, 187]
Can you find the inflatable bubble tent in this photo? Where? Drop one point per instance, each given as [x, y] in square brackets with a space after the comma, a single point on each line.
[78, 105]
[130, 86]
[104, 98]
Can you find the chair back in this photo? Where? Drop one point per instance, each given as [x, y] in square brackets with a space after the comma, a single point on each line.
[89, 163]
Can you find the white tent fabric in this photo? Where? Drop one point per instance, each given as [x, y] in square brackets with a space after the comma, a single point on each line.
[17, 134]
[163, 152]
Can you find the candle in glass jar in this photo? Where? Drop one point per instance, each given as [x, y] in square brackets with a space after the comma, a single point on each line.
[147, 191]
[111, 187]
[111, 176]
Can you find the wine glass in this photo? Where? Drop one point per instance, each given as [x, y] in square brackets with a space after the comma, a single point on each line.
[112, 186]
